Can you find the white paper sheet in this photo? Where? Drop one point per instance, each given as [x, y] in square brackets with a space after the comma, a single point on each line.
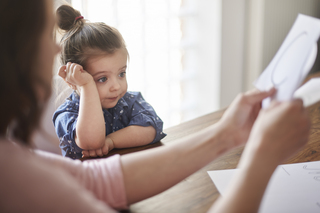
[293, 188]
[309, 92]
[293, 60]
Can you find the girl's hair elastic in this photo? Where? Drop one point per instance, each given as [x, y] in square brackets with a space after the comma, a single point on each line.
[79, 17]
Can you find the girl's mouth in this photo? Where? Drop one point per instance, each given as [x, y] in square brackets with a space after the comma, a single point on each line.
[113, 99]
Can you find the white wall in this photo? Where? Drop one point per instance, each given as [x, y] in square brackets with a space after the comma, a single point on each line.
[232, 52]
[209, 51]
[252, 32]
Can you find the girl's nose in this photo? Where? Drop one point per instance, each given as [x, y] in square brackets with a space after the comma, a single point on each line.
[115, 85]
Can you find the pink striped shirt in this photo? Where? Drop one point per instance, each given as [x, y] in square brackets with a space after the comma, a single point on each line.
[43, 182]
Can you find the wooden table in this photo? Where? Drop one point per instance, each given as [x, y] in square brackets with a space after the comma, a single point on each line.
[197, 192]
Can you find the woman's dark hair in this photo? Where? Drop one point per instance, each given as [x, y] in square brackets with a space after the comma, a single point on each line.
[22, 23]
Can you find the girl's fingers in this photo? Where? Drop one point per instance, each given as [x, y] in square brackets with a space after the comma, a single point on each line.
[105, 150]
[79, 68]
[72, 68]
[68, 67]
[85, 153]
[62, 72]
[75, 67]
[99, 152]
[92, 153]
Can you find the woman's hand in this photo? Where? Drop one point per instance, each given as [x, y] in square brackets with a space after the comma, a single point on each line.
[107, 147]
[74, 75]
[279, 132]
[242, 113]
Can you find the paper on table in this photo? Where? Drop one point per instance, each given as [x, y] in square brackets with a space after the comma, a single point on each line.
[293, 60]
[293, 188]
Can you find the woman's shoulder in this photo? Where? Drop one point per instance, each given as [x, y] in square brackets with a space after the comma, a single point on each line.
[17, 157]
[11, 152]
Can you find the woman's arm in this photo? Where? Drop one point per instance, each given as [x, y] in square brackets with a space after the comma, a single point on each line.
[74, 180]
[279, 132]
[169, 164]
[90, 129]
[150, 172]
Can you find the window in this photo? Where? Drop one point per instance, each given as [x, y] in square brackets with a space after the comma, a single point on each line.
[164, 41]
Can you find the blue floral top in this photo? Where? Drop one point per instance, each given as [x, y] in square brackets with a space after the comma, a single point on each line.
[131, 109]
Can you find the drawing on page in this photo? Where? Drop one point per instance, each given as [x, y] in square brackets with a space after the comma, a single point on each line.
[316, 173]
[306, 168]
[279, 75]
[317, 178]
[285, 170]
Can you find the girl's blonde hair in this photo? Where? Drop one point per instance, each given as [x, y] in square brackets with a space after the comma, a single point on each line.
[82, 40]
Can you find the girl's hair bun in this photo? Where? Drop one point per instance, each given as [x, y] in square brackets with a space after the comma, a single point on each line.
[67, 17]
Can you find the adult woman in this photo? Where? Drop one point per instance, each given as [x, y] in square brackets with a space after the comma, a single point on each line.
[39, 182]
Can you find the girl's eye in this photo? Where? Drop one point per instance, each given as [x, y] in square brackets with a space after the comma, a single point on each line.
[122, 74]
[101, 80]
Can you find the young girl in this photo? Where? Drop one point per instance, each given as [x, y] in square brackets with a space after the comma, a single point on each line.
[100, 114]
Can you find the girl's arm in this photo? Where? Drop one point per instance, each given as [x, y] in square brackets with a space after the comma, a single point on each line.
[279, 132]
[132, 136]
[145, 127]
[90, 128]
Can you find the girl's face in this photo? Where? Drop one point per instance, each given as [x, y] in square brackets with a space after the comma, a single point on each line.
[109, 74]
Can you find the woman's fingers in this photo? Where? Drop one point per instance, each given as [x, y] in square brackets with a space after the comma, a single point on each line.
[284, 127]
[299, 103]
[255, 96]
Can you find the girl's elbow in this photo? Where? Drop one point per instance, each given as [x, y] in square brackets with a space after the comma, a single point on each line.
[90, 143]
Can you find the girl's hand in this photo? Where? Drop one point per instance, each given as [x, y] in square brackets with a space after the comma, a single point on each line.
[74, 75]
[241, 115]
[107, 147]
